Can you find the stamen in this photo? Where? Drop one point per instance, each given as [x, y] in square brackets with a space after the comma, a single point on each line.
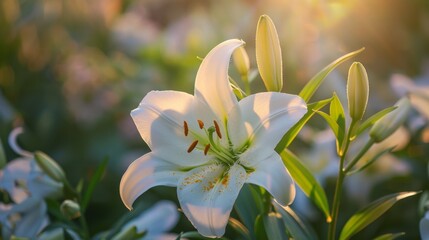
[217, 129]
[185, 128]
[206, 149]
[201, 124]
[192, 146]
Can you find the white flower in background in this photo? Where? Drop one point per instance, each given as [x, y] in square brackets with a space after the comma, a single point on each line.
[418, 92]
[424, 227]
[208, 145]
[155, 221]
[27, 187]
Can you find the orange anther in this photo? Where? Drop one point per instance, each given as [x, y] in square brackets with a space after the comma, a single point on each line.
[219, 134]
[201, 124]
[192, 146]
[206, 149]
[185, 128]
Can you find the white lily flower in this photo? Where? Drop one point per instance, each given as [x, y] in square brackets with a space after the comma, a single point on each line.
[208, 145]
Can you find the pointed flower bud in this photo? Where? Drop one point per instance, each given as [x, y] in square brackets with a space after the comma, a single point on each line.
[269, 54]
[70, 209]
[384, 127]
[49, 166]
[357, 90]
[241, 61]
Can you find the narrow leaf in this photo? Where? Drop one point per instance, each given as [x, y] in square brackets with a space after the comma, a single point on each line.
[370, 121]
[369, 214]
[239, 228]
[389, 236]
[331, 122]
[295, 226]
[293, 132]
[274, 226]
[306, 181]
[95, 179]
[260, 228]
[311, 87]
[337, 113]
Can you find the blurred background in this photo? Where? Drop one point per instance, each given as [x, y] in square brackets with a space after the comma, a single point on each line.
[71, 72]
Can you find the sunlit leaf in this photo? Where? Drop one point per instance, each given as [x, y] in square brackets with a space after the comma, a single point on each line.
[239, 228]
[331, 122]
[274, 226]
[389, 236]
[293, 132]
[370, 121]
[337, 113]
[306, 181]
[314, 83]
[95, 179]
[295, 226]
[369, 214]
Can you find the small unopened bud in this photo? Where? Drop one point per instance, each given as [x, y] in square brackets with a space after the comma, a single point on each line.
[357, 90]
[384, 127]
[269, 54]
[70, 209]
[49, 166]
[241, 61]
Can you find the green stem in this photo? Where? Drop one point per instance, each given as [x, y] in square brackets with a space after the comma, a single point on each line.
[339, 188]
[84, 225]
[365, 149]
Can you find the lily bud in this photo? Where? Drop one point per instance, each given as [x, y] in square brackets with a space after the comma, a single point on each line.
[269, 54]
[70, 209]
[357, 90]
[49, 166]
[391, 121]
[241, 61]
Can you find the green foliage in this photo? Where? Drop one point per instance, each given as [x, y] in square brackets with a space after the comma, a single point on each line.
[306, 181]
[314, 83]
[370, 213]
[95, 179]
[389, 236]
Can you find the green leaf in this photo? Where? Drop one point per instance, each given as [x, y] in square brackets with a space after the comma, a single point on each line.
[314, 83]
[370, 121]
[239, 228]
[274, 226]
[248, 206]
[260, 228]
[331, 122]
[337, 113]
[306, 181]
[369, 214]
[389, 236]
[2, 156]
[293, 132]
[95, 179]
[296, 227]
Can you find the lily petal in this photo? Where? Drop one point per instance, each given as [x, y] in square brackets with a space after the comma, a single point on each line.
[160, 121]
[207, 195]
[263, 119]
[212, 84]
[146, 172]
[272, 175]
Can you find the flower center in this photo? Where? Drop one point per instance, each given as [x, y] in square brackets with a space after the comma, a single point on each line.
[210, 143]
